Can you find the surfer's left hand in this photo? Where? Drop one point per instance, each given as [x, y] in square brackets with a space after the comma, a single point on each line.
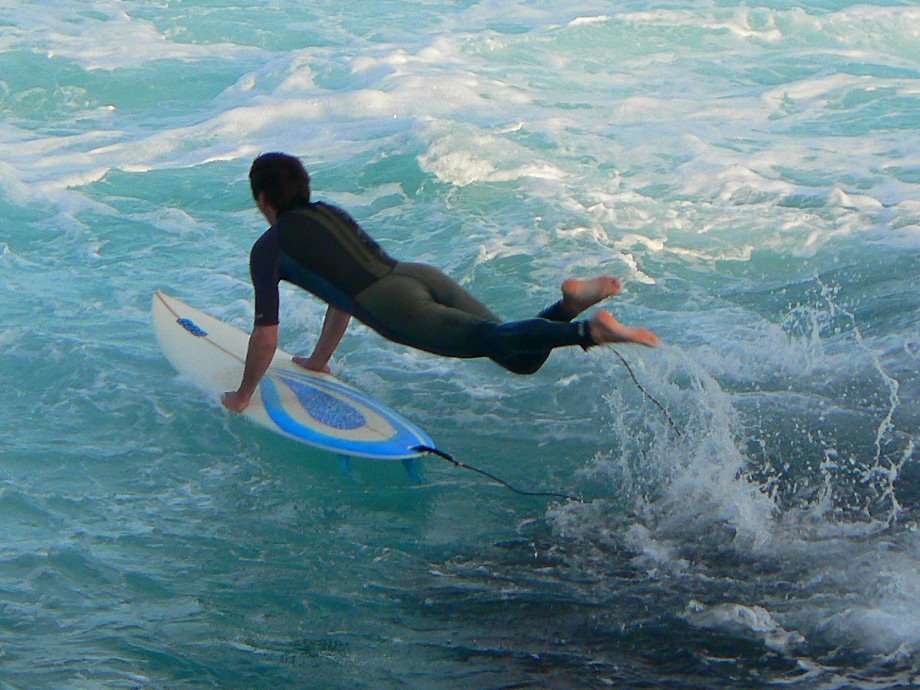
[234, 401]
[312, 363]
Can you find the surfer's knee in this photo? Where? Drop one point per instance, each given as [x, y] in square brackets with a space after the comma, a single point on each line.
[520, 364]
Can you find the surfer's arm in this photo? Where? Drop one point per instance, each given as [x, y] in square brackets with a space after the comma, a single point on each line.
[334, 327]
[262, 345]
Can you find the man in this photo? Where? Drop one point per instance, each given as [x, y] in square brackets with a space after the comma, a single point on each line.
[320, 248]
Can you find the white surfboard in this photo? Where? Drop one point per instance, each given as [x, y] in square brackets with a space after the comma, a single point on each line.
[309, 407]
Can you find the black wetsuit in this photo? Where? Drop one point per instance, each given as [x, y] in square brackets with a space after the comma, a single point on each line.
[320, 248]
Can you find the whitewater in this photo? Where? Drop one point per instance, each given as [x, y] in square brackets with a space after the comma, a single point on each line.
[751, 171]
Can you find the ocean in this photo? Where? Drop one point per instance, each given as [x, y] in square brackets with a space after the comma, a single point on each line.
[749, 516]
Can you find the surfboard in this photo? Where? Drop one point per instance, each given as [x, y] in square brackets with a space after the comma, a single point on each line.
[309, 407]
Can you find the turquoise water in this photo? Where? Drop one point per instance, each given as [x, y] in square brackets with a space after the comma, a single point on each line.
[752, 172]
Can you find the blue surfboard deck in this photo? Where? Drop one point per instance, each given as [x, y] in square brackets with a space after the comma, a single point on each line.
[309, 407]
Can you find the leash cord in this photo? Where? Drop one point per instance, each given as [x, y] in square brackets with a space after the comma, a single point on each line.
[450, 458]
[647, 394]
[550, 494]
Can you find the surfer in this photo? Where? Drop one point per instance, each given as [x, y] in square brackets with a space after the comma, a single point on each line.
[320, 248]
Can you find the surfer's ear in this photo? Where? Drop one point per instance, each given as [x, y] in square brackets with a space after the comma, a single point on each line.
[265, 206]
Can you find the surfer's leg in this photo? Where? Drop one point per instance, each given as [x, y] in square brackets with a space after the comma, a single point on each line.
[578, 294]
[419, 306]
[522, 336]
[519, 346]
[531, 341]
[604, 328]
[522, 347]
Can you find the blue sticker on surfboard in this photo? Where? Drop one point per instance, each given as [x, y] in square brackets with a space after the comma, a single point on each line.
[309, 407]
[329, 414]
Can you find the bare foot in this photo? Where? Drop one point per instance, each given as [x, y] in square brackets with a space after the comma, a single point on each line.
[606, 329]
[578, 294]
[310, 365]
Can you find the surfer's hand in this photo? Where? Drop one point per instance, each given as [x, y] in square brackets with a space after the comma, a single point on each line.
[234, 401]
[313, 364]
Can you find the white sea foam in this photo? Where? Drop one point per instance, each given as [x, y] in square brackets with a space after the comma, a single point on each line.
[106, 38]
[877, 27]
[749, 620]
[582, 21]
[697, 496]
[816, 90]
[464, 156]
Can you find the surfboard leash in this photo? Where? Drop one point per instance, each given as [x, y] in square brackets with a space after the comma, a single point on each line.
[523, 492]
[647, 394]
[548, 494]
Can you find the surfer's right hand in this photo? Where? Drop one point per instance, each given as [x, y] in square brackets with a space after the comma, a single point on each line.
[234, 401]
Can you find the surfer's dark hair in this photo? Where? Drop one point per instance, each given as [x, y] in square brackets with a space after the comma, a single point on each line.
[283, 180]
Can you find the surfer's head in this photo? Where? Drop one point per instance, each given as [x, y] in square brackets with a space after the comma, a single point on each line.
[283, 180]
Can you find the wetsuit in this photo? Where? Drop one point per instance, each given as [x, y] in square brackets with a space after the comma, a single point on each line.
[320, 248]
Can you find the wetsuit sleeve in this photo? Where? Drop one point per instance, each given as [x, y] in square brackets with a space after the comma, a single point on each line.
[264, 261]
